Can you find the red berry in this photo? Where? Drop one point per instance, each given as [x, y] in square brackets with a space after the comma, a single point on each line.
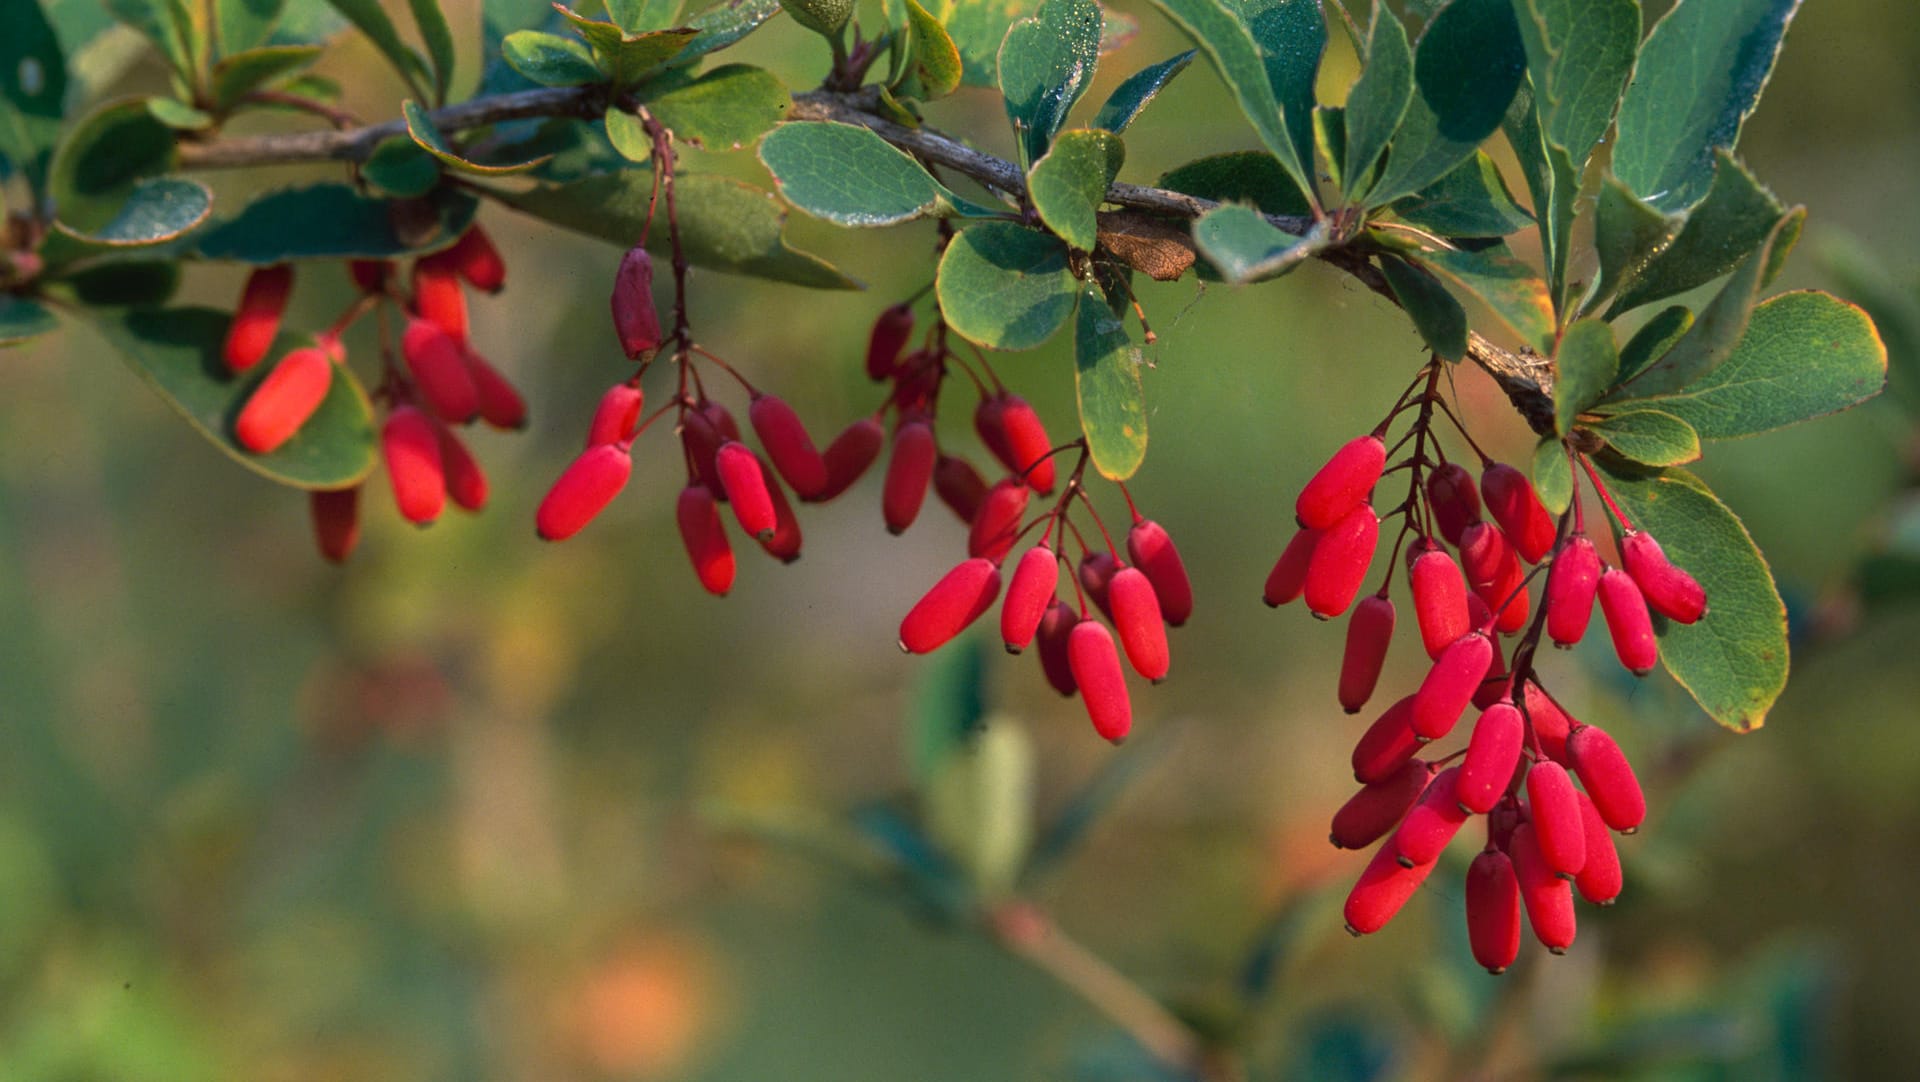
[370, 275]
[336, 521]
[1494, 571]
[1550, 724]
[584, 489]
[284, 400]
[916, 381]
[466, 481]
[889, 337]
[784, 545]
[1493, 911]
[1152, 551]
[1450, 684]
[705, 538]
[908, 474]
[1600, 879]
[956, 601]
[1387, 744]
[1628, 621]
[1492, 754]
[1136, 615]
[850, 454]
[635, 320]
[746, 487]
[1454, 500]
[959, 486]
[1368, 814]
[1512, 503]
[1369, 631]
[996, 524]
[1096, 574]
[1382, 889]
[1431, 823]
[1608, 777]
[1439, 598]
[438, 297]
[1012, 430]
[1554, 811]
[500, 404]
[439, 368]
[1669, 591]
[1548, 898]
[412, 452]
[1571, 584]
[1342, 484]
[788, 445]
[1340, 561]
[1096, 670]
[1289, 575]
[617, 414]
[702, 430]
[1056, 630]
[475, 258]
[263, 300]
[1501, 821]
[1029, 595]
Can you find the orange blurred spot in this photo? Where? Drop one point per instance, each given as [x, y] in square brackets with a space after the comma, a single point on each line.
[645, 1008]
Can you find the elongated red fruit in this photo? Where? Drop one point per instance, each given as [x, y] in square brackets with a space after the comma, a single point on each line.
[1548, 897]
[1608, 777]
[1029, 595]
[1028, 444]
[1383, 888]
[705, 539]
[1450, 684]
[466, 481]
[850, 454]
[1340, 561]
[908, 474]
[617, 414]
[1096, 575]
[1454, 500]
[1493, 911]
[746, 487]
[1342, 484]
[440, 371]
[997, 521]
[438, 297]
[1431, 823]
[1136, 615]
[916, 380]
[1600, 878]
[636, 322]
[784, 545]
[889, 337]
[500, 403]
[1495, 574]
[336, 522]
[1572, 582]
[1153, 552]
[1669, 591]
[1103, 687]
[1550, 723]
[1369, 632]
[412, 452]
[1628, 621]
[1289, 575]
[1554, 810]
[284, 400]
[263, 300]
[959, 486]
[475, 258]
[583, 490]
[1056, 631]
[702, 430]
[1492, 754]
[1439, 598]
[1386, 745]
[370, 275]
[788, 445]
[1501, 822]
[1514, 505]
[954, 602]
[1368, 814]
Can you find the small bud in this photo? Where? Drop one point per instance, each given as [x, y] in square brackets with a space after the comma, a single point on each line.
[908, 474]
[1514, 505]
[584, 489]
[1450, 684]
[953, 603]
[889, 337]
[1431, 823]
[746, 488]
[788, 445]
[1548, 897]
[466, 481]
[1608, 777]
[438, 297]
[618, 413]
[440, 372]
[1555, 815]
[283, 402]
[412, 452]
[336, 521]
[705, 539]
[1383, 888]
[1153, 552]
[1342, 484]
[1439, 598]
[1600, 878]
[996, 523]
[850, 454]
[1628, 621]
[635, 320]
[1493, 911]
[1669, 591]
[263, 301]
[1369, 632]
[1387, 743]
[475, 259]
[1056, 631]
[1340, 561]
[1454, 500]
[500, 403]
[1136, 615]
[1103, 687]
[1492, 754]
[1368, 814]
[1029, 595]
[1289, 575]
[1572, 582]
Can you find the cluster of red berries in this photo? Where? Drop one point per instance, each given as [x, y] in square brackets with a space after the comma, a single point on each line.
[444, 383]
[1545, 837]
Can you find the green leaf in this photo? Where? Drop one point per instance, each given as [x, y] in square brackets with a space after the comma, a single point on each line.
[1006, 287]
[1507, 286]
[23, 320]
[1245, 247]
[278, 227]
[33, 90]
[1584, 370]
[1731, 221]
[1803, 355]
[628, 135]
[624, 57]
[167, 24]
[158, 210]
[123, 284]
[1133, 94]
[1579, 53]
[401, 169]
[979, 807]
[178, 351]
[1291, 36]
[549, 59]
[1553, 182]
[438, 36]
[847, 175]
[949, 707]
[1240, 176]
[103, 157]
[933, 69]
[1552, 475]
[1435, 314]
[639, 16]
[726, 225]
[1734, 660]
[1471, 201]
[1654, 338]
[178, 115]
[1466, 68]
[421, 127]
[1378, 100]
[1649, 437]
[824, 17]
[240, 74]
[1699, 76]
[1046, 63]
[1106, 379]
[243, 25]
[726, 108]
[1629, 235]
[371, 19]
[723, 24]
[1330, 139]
[1069, 184]
[1224, 37]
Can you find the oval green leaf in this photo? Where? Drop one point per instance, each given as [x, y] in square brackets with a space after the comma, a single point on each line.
[1650, 437]
[1106, 380]
[1466, 68]
[726, 108]
[1552, 475]
[1069, 184]
[549, 59]
[1245, 247]
[1134, 93]
[933, 67]
[421, 127]
[1378, 100]
[276, 228]
[158, 210]
[1046, 63]
[1006, 287]
[1584, 370]
[847, 175]
[1471, 201]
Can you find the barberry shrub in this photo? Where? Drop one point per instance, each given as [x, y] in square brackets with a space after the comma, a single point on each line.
[579, 122]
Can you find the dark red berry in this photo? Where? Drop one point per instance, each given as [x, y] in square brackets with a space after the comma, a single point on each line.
[1600, 879]
[256, 322]
[784, 545]
[1368, 814]
[1289, 575]
[959, 486]
[908, 474]
[475, 259]
[500, 404]
[1512, 503]
[705, 539]
[889, 337]
[1387, 743]
[1096, 574]
[370, 275]
[1431, 823]
[786, 441]
[636, 322]
[1012, 430]
[996, 523]
[1369, 632]
[1493, 911]
[336, 521]
[1550, 724]
[1056, 630]
[1454, 500]
[850, 454]
[1153, 552]
[1495, 573]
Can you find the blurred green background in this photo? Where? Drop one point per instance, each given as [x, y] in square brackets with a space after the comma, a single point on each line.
[451, 812]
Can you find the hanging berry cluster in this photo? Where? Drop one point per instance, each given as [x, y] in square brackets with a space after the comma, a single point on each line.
[444, 383]
[1546, 837]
